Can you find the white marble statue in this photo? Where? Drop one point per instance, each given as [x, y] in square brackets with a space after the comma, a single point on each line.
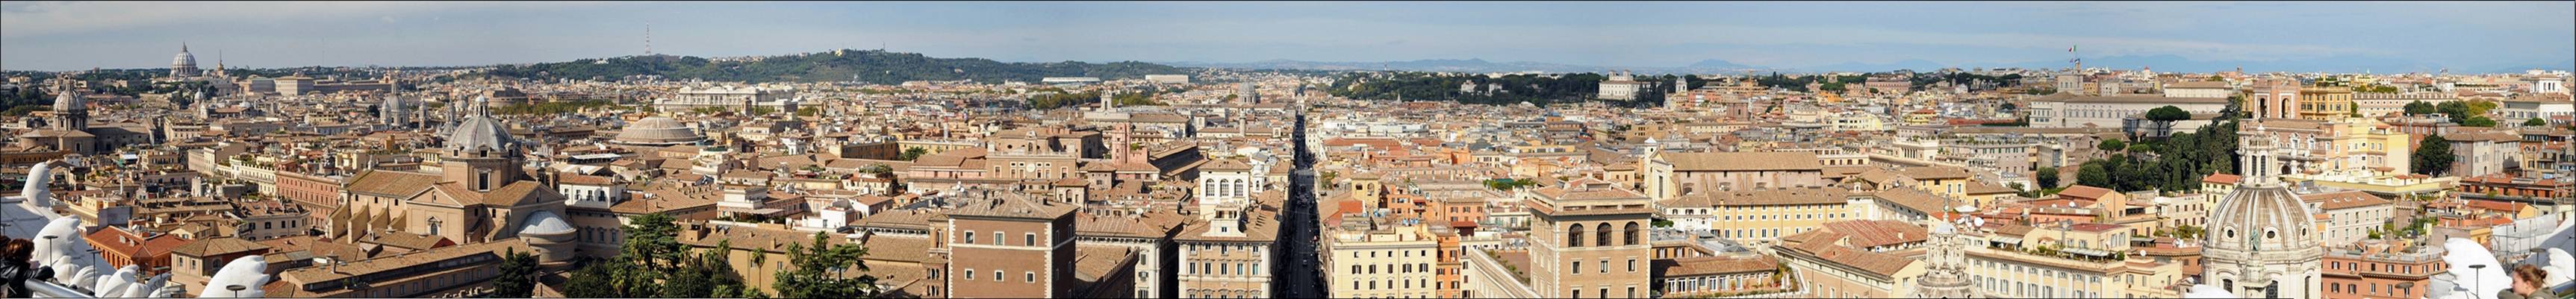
[2474, 273]
[59, 246]
[248, 271]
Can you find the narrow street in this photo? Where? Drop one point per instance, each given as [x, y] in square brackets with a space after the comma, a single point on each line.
[1298, 277]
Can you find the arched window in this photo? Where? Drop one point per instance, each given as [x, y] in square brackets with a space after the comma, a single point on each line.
[1601, 235]
[1632, 234]
[1574, 236]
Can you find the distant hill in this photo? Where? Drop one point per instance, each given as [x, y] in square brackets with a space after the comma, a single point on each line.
[1469, 66]
[1720, 64]
[2560, 66]
[2176, 63]
[1918, 65]
[872, 66]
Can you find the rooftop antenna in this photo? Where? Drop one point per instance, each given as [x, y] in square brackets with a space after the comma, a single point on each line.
[648, 38]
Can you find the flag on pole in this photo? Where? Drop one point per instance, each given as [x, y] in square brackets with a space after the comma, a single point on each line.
[2070, 48]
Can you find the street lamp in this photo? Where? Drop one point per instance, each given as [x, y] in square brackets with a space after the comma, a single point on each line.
[2476, 272]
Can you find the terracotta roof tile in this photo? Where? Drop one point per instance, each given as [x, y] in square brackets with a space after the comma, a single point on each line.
[1712, 265]
[1744, 161]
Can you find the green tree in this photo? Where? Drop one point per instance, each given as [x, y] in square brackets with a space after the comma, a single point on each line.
[705, 274]
[808, 111]
[910, 154]
[2478, 121]
[593, 281]
[2093, 173]
[818, 269]
[2046, 177]
[2480, 107]
[2112, 145]
[2419, 107]
[653, 263]
[2534, 122]
[518, 276]
[654, 238]
[2164, 118]
[2433, 156]
[876, 168]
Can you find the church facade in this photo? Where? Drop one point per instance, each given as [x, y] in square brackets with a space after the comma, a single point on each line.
[480, 194]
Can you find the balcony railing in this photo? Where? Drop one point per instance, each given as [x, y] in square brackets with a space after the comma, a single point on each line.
[47, 289]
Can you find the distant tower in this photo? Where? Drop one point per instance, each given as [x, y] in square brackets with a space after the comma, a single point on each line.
[1250, 96]
[1946, 276]
[1106, 101]
[219, 65]
[1681, 84]
[648, 38]
[185, 65]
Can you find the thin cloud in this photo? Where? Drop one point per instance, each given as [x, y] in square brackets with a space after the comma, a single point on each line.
[52, 18]
[59, 35]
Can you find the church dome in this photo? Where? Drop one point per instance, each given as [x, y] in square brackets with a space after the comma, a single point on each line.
[480, 132]
[65, 101]
[545, 223]
[658, 131]
[2259, 217]
[184, 59]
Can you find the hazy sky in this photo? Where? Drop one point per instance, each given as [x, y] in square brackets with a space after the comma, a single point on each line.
[81, 35]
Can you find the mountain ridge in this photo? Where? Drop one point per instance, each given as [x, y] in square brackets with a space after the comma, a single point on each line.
[872, 66]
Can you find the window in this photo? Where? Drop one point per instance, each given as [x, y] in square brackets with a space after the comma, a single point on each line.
[997, 238]
[1632, 265]
[970, 273]
[997, 276]
[1631, 234]
[1601, 234]
[1573, 236]
[1030, 239]
[1576, 269]
[970, 237]
[1030, 276]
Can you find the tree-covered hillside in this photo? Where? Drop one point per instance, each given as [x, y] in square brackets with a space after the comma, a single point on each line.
[1513, 89]
[872, 66]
